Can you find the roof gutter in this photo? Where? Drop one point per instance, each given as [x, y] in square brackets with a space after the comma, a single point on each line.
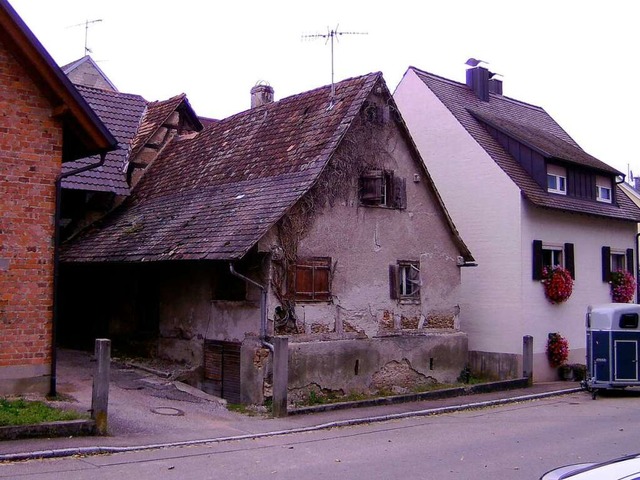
[56, 265]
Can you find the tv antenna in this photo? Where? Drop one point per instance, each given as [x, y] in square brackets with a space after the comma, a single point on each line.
[330, 36]
[86, 24]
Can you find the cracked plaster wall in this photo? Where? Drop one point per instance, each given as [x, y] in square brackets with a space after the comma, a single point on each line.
[371, 365]
[363, 241]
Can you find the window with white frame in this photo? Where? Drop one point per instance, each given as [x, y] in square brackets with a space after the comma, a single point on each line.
[556, 179]
[615, 259]
[404, 280]
[549, 255]
[552, 256]
[603, 189]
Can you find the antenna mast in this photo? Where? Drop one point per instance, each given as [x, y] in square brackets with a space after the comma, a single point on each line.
[86, 24]
[330, 36]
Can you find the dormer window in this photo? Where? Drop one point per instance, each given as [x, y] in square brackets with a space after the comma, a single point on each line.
[556, 179]
[603, 189]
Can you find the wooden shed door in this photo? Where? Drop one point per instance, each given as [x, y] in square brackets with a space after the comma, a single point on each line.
[222, 369]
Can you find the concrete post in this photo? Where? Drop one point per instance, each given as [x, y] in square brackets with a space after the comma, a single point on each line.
[100, 395]
[280, 375]
[527, 358]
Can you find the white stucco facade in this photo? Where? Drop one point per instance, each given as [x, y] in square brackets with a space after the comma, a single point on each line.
[500, 301]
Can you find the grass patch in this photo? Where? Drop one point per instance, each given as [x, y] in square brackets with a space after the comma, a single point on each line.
[24, 412]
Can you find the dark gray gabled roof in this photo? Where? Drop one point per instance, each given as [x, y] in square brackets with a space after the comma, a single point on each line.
[534, 127]
[214, 194]
[122, 114]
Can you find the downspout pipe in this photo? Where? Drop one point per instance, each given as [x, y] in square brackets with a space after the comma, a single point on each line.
[56, 265]
[263, 306]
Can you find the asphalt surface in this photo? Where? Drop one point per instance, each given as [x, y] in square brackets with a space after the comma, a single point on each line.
[151, 410]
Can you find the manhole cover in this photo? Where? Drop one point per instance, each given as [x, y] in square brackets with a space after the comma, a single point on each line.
[175, 412]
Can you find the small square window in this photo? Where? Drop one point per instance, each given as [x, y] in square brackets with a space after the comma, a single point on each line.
[556, 179]
[603, 189]
[404, 280]
[380, 188]
[629, 320]
[310, 279]
[618, 261]
[551, 256]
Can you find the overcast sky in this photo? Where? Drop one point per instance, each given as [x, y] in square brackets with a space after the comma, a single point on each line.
[578, 59]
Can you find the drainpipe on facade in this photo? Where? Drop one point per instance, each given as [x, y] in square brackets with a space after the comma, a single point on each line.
[56, 265]
[263, 307]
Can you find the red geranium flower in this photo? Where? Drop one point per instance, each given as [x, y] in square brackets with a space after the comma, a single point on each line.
[623, 286]
[558, 284]
[557, 349]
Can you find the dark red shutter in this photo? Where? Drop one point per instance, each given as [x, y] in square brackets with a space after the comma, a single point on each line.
[312, 279]
[304, 282]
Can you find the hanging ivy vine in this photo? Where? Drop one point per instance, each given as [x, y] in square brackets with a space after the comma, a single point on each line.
[366, 146]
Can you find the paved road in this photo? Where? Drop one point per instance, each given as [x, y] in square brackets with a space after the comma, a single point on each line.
[518, 441]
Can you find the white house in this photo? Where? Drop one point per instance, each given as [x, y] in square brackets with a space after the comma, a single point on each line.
[523, 195]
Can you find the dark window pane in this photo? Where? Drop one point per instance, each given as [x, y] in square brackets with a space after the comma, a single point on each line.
[629, 320]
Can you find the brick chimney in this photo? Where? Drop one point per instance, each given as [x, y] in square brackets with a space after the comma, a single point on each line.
[261, 95]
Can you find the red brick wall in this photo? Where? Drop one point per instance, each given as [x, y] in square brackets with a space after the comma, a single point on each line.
[30, 156]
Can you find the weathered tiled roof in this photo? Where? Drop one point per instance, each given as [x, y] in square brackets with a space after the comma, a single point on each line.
[213, 195]
[121, 113]
[155, 115]
[532, 126]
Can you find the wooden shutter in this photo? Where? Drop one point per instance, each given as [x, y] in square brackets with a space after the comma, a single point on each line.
[371, 187]
[630, 265]
[222, 369]
[537, 260]
[606, 264]
[569, 262]
[312, 279]
[394, 282]
[322, 280]
[304, 282]
[399, 193]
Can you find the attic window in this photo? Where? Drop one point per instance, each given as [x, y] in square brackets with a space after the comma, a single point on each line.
[603, 189]
[380, 188]
[556, 179]
[373, 113]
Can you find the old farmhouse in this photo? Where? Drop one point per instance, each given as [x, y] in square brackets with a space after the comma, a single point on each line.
[312, 217]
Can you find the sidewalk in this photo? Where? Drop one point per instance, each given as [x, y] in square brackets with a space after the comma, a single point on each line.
[148, 411]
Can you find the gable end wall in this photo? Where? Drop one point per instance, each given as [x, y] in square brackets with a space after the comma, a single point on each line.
[30, 159]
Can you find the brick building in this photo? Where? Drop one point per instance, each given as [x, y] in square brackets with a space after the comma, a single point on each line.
[43, 122]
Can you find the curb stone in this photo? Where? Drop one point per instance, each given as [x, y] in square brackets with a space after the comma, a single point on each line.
[97, 450]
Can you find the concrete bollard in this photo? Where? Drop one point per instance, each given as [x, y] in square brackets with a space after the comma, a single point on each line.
[280, 375]
[527, 358]
[100, 394]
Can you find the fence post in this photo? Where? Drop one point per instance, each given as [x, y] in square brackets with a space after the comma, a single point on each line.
[100, 394]
[527, 358]
[280, 375]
